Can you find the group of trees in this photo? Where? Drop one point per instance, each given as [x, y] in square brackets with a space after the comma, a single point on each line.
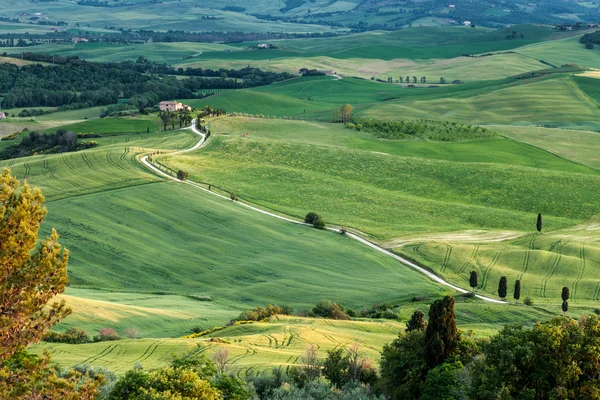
[590, 39]
[428, 129]
[502, 286]
[92, 84]
[558, 359]
[401, 79]
[61, 141]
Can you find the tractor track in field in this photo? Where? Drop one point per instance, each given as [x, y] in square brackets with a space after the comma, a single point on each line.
[484, 278]
[110, 160]
[380, 249]
[27, 171]
[87, 162]
[581, 270]
[107, 350]
[68, 164]
[552, 271]
[51, 171]
[527, 257]
[471, 260]
[446, 257]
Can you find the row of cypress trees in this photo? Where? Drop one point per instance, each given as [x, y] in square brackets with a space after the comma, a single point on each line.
[503, 289]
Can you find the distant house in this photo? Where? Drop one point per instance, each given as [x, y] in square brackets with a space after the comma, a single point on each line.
[79, 39]
[2, 115]
[263, 46]
[452, 6]
[173, 106]
[467, 23]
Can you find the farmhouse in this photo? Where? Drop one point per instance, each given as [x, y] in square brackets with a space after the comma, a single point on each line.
[173, 106]
[467, 23]
[263, 46]
[2, 115]
[79, 39]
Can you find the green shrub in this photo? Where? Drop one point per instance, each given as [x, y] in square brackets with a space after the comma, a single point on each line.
[329, 309]
[71, 336]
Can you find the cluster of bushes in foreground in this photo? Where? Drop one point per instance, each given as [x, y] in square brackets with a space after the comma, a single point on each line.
[61, 141]
[431, 360]
[422, 128]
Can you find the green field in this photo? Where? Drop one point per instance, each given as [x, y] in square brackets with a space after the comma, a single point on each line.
[259, 347]
[393, 188]
[167, 257]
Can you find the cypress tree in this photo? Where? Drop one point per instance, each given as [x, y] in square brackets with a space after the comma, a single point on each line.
[417, 322]
[565, 306]
[473, 280]
[565, 294]
[517, 293]
[502, 287]
[441, 335]
[539, 223]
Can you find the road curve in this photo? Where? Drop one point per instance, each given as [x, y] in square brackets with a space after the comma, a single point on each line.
[364, 241]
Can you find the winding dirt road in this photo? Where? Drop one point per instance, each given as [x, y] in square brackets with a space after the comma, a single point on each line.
[372, 245]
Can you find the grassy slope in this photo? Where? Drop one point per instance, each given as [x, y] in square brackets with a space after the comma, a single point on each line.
[544, 263]
[390, 195]
[186, 249]
[556, 100]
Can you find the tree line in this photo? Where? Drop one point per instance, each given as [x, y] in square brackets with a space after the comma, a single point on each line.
[88, 84]
[429, 129]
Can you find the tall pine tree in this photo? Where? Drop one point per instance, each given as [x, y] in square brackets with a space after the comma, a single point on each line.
[441, 335]
[502, 287]
[473, 280]
[539, 223]
[517, 292]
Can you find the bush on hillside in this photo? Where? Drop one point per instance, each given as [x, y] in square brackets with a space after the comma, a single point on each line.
[182, 175]
[106, 335]
[260, 313]
[426, 129]
[60, 141]
[71, 336]
[329, 309]
[315, 220]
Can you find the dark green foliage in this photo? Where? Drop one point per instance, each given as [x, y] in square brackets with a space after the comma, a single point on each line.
[260, 313]
[91, 84]
[591, 38]
[231, 387]
[538, 224]
[528, 301]
[441, 335]
[557, 359]
[315, 220]
[427, 129]
[565, 294]
[329, 309]
[502, 287]
[417, 322]
[473, 280]
[517, 292]
[343, 367]
[182, 175]
[565, 306]
[441, 383]
[61, 141]
[403, 366]
[334, 367]
[71, 336]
